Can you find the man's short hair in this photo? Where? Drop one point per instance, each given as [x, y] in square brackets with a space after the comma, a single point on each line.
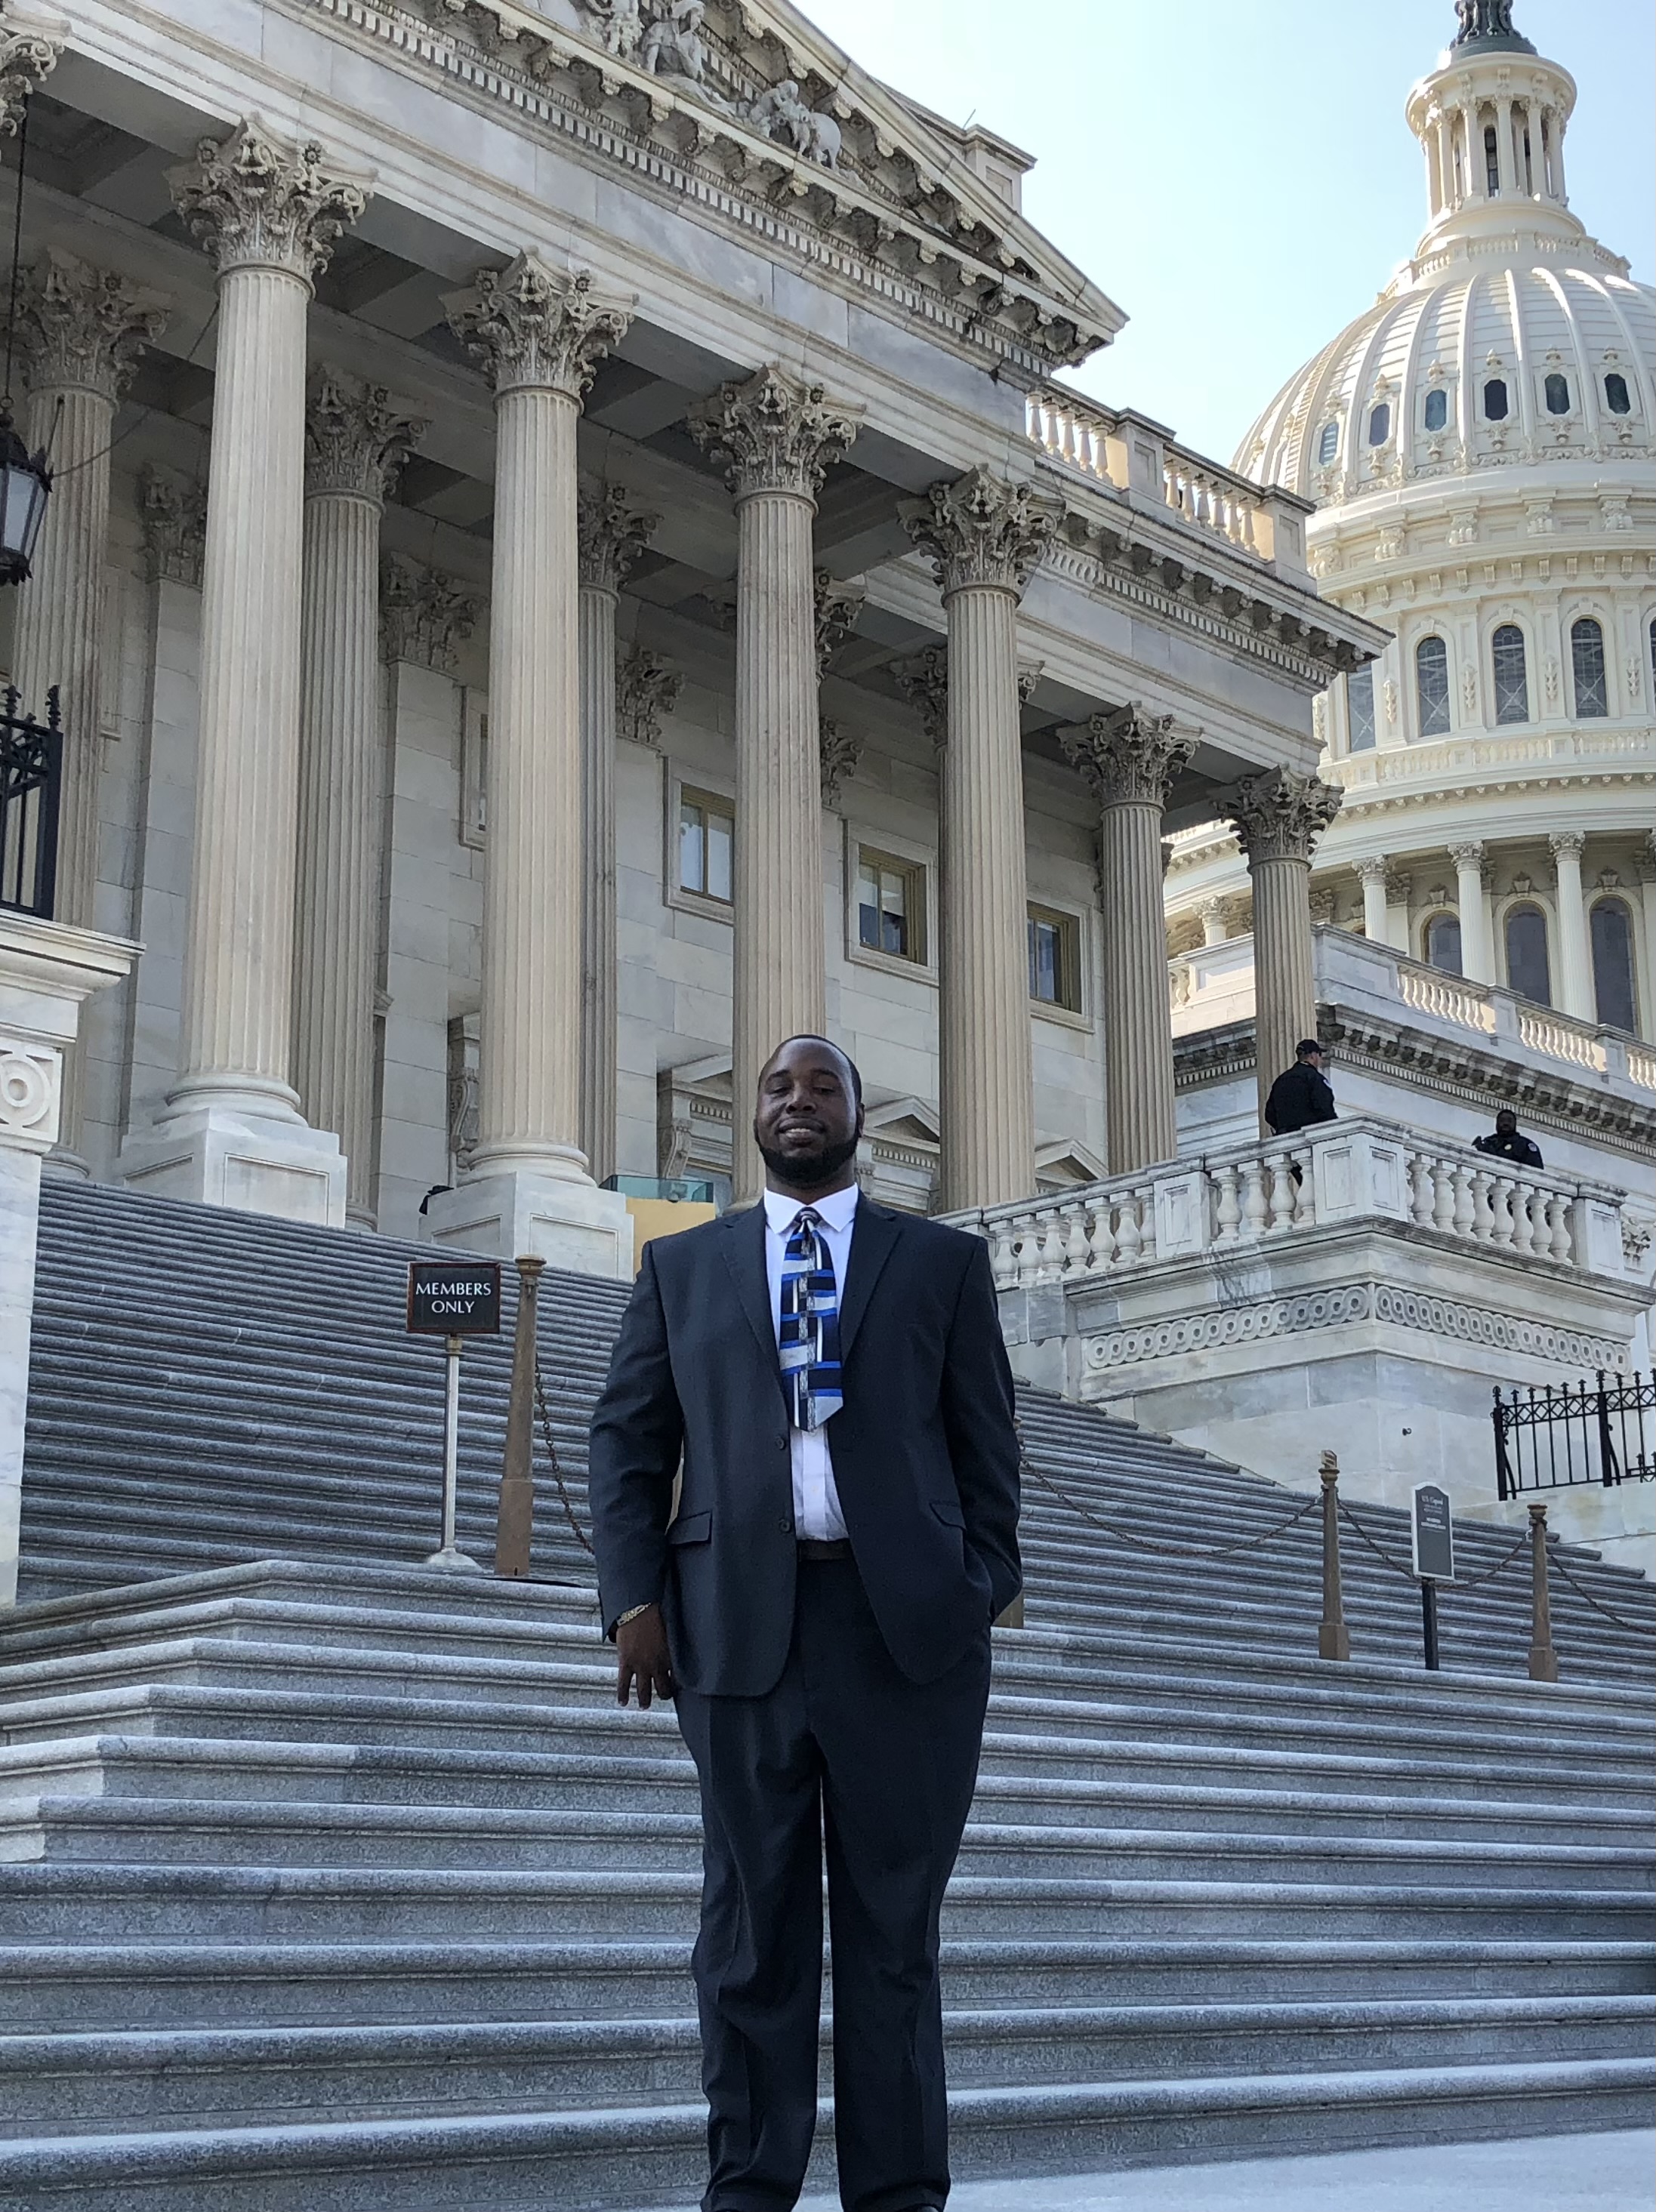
[809, 1036]
[1306, 1045]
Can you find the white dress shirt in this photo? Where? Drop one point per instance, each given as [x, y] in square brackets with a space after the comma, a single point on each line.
[816, 1501]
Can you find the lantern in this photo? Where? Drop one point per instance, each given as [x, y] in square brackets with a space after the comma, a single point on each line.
[25, 482]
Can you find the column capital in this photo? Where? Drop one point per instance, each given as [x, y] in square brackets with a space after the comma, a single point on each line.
[1280, 816]
[28, 57]
[1566, 844]
[610, 535]
[1372, 870]
[355, 439]
[174, 528]
[1469, 854]
[536, 327]
[424, 615]
[775, 433]
[981, 530]
[924, 683]
[255, 202]
[836, 609]
[85, 325]
[1129, 757]
[645, 692]
[841, 750]
[1645, 859]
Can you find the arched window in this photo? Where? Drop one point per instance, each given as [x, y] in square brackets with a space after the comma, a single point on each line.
[1432, 685]
[1329, 444]
[1443, 942]
[1359, 710]
[1491, 162]
[1528, 971]
[1616, 393]
[1587, 667]
[1437, 408]
[1612, 962]
[1557, 390]
[1495, 399]
[1379, 423]
[1511, 674]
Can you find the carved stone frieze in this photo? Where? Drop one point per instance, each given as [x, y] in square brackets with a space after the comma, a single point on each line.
[28, 57]
[1127, 756]
[775, 432]
[255, 202]
[533, 326]
[646, 692]
[425, 617]
[611, 534]
[1280, 816]
[175, 521]
[355, 439]
[981, 530]
[837, 608]
[82, 325]
[841, 750]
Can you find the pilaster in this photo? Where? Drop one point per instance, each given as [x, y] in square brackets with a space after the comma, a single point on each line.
[1279, 818]
[1370, 874]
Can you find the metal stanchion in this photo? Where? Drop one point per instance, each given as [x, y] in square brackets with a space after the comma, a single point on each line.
[514, 1523]
[1429, 1621]
[449, 1554]
[1543, 1660]
[1333, 1638]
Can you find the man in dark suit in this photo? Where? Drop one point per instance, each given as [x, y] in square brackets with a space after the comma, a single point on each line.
[833, 1374]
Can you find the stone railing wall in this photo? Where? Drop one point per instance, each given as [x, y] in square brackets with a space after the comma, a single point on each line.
[1342, 1172]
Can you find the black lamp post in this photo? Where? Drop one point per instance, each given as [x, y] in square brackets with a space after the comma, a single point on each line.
[25, 479]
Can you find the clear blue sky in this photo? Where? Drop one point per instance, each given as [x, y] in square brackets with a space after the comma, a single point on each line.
[1239, 178]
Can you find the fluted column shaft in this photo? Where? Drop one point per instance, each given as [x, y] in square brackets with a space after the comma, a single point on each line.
[1279, 818]
[1476, 950]
[1372, 876]
[1575, 991]
[599, 1015]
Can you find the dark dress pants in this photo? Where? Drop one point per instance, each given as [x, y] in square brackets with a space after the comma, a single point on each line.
[845, 1754]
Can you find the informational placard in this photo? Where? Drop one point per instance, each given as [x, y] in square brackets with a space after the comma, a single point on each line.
[1433, 1534]
[453, 1298]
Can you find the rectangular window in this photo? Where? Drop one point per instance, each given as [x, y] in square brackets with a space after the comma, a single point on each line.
[891, 906]
[1359, 708]
[707, 840]
[1055, 959]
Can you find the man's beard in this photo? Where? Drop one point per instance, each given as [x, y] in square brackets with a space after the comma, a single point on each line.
[812, 1167]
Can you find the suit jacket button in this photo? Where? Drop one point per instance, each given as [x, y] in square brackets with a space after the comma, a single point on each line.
[782, 1440]
[786, 1526]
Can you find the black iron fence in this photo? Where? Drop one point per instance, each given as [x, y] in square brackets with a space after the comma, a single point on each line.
[1557, 1433]
[31, 787]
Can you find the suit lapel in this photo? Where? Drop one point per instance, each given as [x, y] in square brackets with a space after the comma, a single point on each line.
[874, 1232]
[743, 1253]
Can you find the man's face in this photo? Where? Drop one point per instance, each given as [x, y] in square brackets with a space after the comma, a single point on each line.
[1314, 1060]
[807, 1123]
[1505, 1123]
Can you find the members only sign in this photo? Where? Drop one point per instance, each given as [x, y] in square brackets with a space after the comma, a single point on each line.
[453, 1298]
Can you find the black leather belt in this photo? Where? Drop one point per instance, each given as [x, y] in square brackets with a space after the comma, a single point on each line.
[818, 1553]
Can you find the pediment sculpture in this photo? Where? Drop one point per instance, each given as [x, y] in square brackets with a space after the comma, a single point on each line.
[669, 38]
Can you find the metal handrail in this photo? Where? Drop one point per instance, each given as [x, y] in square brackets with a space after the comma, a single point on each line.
[31, 795]
[1602, 1432]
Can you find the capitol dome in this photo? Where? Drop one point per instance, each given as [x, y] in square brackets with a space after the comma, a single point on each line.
[1478, 448]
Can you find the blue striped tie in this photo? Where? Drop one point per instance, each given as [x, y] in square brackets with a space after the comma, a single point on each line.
[809, 1340]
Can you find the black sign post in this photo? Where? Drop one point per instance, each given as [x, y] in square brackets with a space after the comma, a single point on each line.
[1432, 1535]
[453, 1299]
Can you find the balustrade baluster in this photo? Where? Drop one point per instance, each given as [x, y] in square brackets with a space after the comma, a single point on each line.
[1562, 1244]
[1100, 1236]
[1227, 1213]
[1003, 1259]
[1075, 1249]
[1128, 1239]
[1146, 1212]
[1484, 1219]
[1049, 1243]
[1464, 1205]
[1253, 1200]
[1305, 1190]
[1524, 1197]
[1500, 1207]
[1027, 1245]
[1421, 1195]
[1281, 1216]
[1445, 1196]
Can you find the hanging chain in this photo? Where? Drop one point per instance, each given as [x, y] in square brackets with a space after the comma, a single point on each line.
[1635, 1627]
[551, 1444]
[1149, 1544]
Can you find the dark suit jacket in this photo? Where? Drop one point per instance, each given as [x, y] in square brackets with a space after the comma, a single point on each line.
[1301, 1096]
[925, 1451]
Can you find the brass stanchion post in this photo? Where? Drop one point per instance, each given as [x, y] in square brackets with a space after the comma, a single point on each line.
[1333, 1637]
[1543, 1660]
[516, 1522]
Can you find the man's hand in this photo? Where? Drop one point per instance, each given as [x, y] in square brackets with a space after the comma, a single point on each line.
[641, 1654]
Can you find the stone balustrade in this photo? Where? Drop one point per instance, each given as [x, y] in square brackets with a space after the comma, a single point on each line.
[1348, 1172]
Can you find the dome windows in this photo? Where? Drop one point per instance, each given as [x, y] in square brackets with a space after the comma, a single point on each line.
[1443, 944]
[1495, 402]
[1558, 391]
[1380, 423]
[1529, 971]
[1611, 929]
[1359, 710]
[1616, 397]
[1328, 445]
[1431, 686]
[1437, 409]
[1491, 162]
[1587, 668]
[1510, 674]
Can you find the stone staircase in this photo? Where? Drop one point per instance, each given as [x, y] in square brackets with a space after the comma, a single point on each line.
[326, 1877]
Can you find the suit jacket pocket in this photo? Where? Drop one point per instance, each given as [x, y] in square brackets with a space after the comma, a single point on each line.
[948, 1509]
[690, 1528]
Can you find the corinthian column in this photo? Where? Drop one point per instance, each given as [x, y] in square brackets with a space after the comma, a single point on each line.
[1129, 759]
[985, 537]
[1477, 948]
[1576, 991]
[1279, 818]
[231, 1132]
[354, 446]
[28, 57]
[781, 436]
[612, 535]
[540, 334]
